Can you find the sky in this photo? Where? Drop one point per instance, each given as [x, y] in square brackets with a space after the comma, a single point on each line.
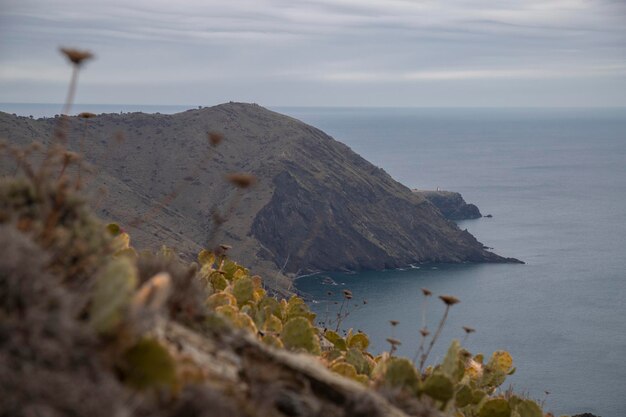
[391, 53]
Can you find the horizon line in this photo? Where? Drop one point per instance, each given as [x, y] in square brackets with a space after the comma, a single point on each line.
[197, 106]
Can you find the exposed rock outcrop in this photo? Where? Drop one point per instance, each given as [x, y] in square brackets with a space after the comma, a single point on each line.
[278, 382]
[450, 204]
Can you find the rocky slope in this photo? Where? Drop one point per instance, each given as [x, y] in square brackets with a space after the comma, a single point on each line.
[317, 205]
[450, 204]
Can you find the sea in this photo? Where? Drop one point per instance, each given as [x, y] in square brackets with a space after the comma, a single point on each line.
[554, 180]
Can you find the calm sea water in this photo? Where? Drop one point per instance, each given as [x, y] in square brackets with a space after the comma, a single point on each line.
[555, 182]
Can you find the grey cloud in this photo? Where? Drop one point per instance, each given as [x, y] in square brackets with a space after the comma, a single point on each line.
[287, 52]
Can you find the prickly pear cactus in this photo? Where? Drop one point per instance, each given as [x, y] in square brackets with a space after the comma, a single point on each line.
[453, 366]
[495, 407]
[463, 396]
[332, 355]
[272, 305]
[525, 408]
[298, 334]
[115, 285]
[218, 281]
[232, 270]
[461, 384]
[221, 299]
[271, 340]
[360, 362]
[272, 323]
[344, 368]
[439, 387]
[501, 361]
[228, 311]
[148, 365]
[358, 341]
[244, 321]
[400, 373]
[206, 257]
[334, 338]
[243, 290]
[296, 307]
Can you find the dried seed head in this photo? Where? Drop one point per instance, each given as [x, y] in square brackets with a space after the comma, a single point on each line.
[394, 323]
[393, 342]
[424, 332]
[215, 138]
[86, 115]
[75, 56]
[241, 180]
[469, 330]
[347, 294]
[152, 295]
[426, 292]
[221, 249]
[70, 157]
[449, 300]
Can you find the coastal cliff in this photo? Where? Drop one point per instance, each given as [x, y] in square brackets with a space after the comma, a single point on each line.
[317, 205]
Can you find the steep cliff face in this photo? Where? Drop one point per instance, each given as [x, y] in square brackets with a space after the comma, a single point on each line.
[450, 204]
[316, 206]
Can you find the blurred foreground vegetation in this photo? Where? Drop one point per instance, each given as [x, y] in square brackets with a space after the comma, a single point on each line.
[78, 300]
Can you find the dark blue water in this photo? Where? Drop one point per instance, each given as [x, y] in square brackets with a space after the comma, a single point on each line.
[555, 182]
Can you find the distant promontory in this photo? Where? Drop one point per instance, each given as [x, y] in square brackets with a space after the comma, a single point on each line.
[317, 205]
[450, 204]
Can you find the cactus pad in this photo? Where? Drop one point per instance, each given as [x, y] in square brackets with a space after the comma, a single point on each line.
[298, 334]
[495, 407]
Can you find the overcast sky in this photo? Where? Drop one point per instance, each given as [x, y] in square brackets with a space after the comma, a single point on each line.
[319, 52]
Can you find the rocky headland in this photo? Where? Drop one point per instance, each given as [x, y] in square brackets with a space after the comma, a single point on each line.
[316, 205]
